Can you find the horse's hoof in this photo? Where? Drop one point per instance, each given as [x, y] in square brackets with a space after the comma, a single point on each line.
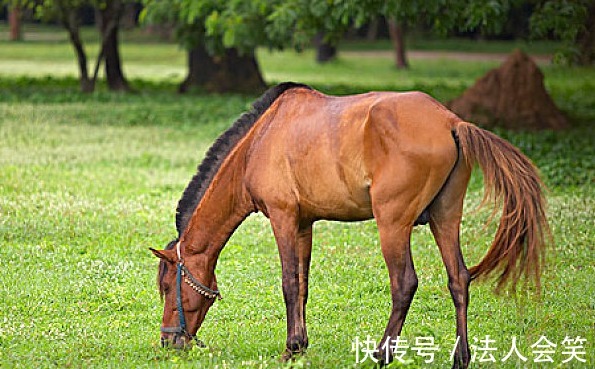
[289, 355]
[382, 359]
[286, 356]
[460, 365]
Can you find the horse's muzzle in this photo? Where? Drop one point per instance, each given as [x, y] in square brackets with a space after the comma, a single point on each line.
[178, 341]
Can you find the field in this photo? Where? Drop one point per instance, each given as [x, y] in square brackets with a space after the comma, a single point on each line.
[89, 183]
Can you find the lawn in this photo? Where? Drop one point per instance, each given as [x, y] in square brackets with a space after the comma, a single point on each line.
[89, 183]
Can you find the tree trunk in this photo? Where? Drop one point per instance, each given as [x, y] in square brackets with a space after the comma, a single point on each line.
[130, 15]
[397, 36]
[324, 51]
[86, 84]
[14, 20]
[241, 73]
[113, 65]
[109, 26]
[372, 33]
[230, 72]
[586, 39]
[69, 21]
[201, 67]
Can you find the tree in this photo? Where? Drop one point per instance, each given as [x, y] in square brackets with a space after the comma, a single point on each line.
[325, 51]
[14, 21]
[573, 22]
[219, 27]
[110, 14]
[66, 13]
[215, 64]
[297, 21]
[397, 36]
[442, 17]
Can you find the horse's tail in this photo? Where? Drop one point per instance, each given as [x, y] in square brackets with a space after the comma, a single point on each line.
[509, 176]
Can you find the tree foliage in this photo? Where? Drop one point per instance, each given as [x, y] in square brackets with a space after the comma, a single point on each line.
[571, 21]
[279, 24]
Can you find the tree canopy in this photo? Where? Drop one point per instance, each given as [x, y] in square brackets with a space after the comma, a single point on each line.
[573, 22]
[293, 23]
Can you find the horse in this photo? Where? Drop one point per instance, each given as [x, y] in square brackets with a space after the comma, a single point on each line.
[299, 156]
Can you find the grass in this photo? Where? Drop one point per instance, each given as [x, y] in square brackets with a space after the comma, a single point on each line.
[88, 183]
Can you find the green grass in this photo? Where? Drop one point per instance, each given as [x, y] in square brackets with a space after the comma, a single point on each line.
[89, 182]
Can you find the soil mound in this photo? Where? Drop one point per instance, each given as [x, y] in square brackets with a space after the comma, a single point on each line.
[511, 96]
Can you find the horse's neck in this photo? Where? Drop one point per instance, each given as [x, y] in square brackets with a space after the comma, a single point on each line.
[222, 209]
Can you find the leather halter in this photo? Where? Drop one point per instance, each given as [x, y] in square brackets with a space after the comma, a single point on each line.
[183, 274]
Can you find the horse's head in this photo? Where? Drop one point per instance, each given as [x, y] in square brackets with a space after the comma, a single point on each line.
[188, 290]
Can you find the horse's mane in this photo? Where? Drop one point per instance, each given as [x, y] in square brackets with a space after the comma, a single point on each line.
[219, 151]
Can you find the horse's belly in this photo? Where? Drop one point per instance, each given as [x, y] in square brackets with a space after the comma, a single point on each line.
[343, 214]
[332, 183]
[336, 202]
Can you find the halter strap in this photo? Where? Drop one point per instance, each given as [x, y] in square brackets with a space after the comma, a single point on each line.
[179, 297]
[183, 273]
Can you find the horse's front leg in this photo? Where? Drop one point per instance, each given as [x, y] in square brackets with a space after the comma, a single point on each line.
[295, 247]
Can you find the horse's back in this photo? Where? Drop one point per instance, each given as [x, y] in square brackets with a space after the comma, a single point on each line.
[323, 152]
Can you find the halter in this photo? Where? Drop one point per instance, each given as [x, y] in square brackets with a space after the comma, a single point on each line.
[182, 273]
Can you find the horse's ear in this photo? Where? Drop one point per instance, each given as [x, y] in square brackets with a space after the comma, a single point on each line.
[167, 255]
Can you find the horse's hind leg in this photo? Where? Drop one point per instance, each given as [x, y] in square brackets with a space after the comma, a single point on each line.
[395, 222]
[294, 241]
[445, 220]
[403, 283]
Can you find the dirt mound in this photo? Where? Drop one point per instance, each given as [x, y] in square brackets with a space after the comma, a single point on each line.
[510, 96]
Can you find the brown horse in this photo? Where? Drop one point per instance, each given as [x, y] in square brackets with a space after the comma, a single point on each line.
[300, 156]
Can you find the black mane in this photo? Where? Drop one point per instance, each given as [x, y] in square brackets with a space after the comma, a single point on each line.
[219, 151]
